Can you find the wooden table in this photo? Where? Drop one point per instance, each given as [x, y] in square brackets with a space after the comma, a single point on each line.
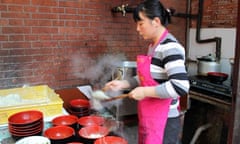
[69, 94]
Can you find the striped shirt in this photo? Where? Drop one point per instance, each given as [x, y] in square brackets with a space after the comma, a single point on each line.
[168, 69]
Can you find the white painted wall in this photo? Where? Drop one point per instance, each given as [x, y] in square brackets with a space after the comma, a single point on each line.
[228, 36]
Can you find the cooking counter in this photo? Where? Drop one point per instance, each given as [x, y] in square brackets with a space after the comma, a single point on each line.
[211, 99]
[66, 95]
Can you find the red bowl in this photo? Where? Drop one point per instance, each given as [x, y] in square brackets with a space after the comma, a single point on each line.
[40, 126]
[217, 77]
[111, 140]
[17, 137]
[93, 132]
[28, 126]
[59, 132]
[79, 104]
[91, 120]
[65, 120]
[79, 114]
[29, 133]
[25, 117]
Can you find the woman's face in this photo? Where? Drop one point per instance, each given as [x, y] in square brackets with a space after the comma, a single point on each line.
[145, 27]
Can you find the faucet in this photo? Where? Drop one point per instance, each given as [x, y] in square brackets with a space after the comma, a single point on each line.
[123, 9]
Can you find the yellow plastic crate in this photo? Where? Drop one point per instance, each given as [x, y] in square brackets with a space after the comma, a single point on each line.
[40, 98]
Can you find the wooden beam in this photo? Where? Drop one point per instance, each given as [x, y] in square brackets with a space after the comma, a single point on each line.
[234, 134]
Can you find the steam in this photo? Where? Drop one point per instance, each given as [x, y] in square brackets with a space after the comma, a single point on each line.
[96, 71]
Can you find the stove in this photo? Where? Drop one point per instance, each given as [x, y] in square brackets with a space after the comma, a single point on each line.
[203, 85]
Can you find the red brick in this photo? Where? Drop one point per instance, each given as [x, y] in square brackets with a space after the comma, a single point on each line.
[16, 22]
[30, 9]
[15, 30]
[57, 23]
[15, 8]
[16, 37]
[3, 38]
[14, 45]
[15, 2]
[14, 15]
[44, 2]
[4, 22]
[3, 52]
[72, 4]
[3, 7]
[71, 30]
[31, 37]
[41, 30]
[70, 11]
[44, 16]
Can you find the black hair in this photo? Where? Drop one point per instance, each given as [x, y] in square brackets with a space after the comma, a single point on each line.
[152, 9]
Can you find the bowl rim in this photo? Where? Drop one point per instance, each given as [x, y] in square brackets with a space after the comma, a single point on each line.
[20, 141]
[26, 126]
[59, 119]
[91, 120]
[84, 103]
[27, 134]
[12, 129]
[110, 139]
[104, 131]
[49, 134]
[38, 116]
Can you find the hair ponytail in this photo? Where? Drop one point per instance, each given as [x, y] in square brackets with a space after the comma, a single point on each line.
[152, 9]
[169, 14]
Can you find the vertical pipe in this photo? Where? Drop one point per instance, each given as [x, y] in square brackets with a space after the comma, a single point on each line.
[199, 24]
[188, 27]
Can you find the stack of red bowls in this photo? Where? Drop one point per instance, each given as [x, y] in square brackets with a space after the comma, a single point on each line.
[79, 107]
[26, 123]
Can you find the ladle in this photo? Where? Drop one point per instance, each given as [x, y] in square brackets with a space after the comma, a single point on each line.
[100, 95]
[116, 97]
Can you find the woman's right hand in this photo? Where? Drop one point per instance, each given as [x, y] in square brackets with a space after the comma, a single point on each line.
[116, 85]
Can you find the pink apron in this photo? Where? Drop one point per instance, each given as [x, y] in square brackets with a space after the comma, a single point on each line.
[152, 112]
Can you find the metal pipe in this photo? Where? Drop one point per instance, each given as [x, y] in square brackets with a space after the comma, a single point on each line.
[217, 40]
[199, 131]
[123, 9]
[188, 27]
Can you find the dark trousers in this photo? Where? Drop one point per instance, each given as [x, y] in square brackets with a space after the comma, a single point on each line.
[172, 131]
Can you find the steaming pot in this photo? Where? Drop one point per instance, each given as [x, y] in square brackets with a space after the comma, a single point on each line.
[124, 70]
[207, 64]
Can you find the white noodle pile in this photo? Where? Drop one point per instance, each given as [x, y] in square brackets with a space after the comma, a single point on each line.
[96, 104]
[100, 95]
[10, 100]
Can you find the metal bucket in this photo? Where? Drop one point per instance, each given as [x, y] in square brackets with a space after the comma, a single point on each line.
[125, 70]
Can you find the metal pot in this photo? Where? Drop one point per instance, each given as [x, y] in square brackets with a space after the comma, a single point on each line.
[207, 64]
[124, 70]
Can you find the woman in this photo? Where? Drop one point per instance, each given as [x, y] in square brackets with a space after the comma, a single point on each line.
[161, 79]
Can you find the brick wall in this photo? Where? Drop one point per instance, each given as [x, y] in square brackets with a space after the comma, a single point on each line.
[217, 13]
[54, 41]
